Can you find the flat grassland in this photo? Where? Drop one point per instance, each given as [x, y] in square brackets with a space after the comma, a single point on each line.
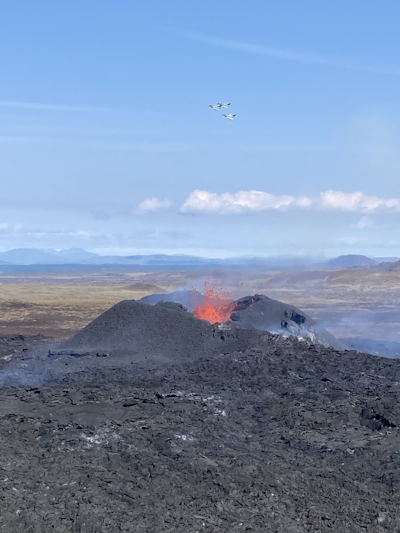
[349, 303]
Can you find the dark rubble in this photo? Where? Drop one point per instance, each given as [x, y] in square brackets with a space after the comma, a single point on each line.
[276, 436]
[15, 344]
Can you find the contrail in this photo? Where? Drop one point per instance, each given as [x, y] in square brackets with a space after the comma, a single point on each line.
[56, 107]
[287, 55]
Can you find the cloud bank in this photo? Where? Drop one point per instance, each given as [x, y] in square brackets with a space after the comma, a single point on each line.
[357, 201]
[4, 226]
[205, 202]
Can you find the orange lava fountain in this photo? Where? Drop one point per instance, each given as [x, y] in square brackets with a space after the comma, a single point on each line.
[217, 303]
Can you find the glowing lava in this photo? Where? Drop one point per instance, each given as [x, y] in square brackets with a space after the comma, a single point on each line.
[217, 305]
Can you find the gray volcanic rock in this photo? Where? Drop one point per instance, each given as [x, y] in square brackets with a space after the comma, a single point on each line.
[280, 438]
[263, 313]
[12, 345]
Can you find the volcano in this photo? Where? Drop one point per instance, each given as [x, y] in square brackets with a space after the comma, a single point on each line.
[259, 312]
[150, 419]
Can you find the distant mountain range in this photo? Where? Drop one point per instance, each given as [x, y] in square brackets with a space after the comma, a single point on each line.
[351, 261]
[37, 256]
[393, 266]
[78, 256]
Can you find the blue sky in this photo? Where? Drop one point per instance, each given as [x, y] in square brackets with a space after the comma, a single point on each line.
[107, 143]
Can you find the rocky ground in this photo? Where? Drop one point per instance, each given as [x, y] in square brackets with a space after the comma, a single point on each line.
[276, 436]
[10, 345]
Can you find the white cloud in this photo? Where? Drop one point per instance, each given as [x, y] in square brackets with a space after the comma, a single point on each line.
[4, 226]
[357, 201]
[205, 202]
[81, 233]
[36, 234]
[303, 201]
[150, 205]
[239, 202]
[349, 240]
[364, 222]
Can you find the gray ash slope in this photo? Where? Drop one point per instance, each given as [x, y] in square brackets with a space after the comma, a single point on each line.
[276, 435]
[166, 330]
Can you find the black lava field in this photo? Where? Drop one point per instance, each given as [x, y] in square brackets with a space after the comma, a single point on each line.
[151, 420]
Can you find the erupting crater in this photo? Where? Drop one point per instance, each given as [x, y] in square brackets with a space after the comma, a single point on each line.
[217, 304]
